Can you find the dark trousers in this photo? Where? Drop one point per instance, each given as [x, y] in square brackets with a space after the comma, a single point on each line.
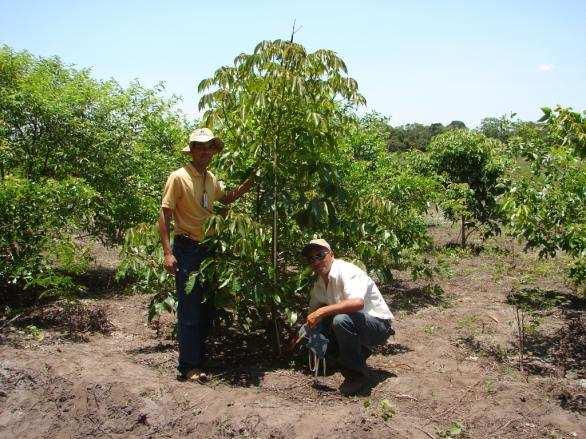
[194, 316]
[353, 335]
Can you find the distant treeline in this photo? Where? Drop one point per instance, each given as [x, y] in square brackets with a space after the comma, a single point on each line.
[418, 136]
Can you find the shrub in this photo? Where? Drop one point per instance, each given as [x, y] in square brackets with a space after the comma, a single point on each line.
[33, 216]
[546, 203]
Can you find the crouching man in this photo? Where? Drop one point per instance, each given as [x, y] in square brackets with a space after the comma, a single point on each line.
[350, 311]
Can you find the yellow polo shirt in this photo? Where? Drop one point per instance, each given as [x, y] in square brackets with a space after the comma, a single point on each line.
[184, 194]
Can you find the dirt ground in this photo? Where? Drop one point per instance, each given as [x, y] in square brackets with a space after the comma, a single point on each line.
[451, 370]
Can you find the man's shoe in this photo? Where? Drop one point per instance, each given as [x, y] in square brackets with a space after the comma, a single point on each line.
[354, 382]
[196, 375]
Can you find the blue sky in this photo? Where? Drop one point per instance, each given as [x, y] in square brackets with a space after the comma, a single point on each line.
[415, 61]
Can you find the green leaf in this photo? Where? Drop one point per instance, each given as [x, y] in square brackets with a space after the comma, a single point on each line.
[190, 282]
[171, 304]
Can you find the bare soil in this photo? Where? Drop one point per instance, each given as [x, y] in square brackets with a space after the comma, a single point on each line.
[453, 360]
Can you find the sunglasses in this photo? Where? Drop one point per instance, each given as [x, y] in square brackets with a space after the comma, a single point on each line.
[317, 257]
[205, 146]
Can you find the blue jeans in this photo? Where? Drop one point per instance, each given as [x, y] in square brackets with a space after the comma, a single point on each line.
[353, 335]
[193, 315]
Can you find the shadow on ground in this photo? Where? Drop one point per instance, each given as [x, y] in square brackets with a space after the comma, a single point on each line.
[545, 353]
[99, 283]
[401, 297]
[377, 376]
[242, 360]
[392, 349]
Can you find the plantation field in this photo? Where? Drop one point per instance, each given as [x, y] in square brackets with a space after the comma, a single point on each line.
[451, 371]
[490, 339]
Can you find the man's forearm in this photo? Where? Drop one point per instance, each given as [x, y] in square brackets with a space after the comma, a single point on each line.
[347, 306]
[164, 221]
[238, 192]
[344, 307]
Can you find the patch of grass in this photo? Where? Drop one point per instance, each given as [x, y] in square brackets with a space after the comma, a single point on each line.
[495, 250]
[510, 371]
[532, 269]
[467, 271]
[429, 329]
[70, 257]
[455, 251]
[446, 258]
[437, 293]
[443, 266]
[499, 269]
[527, 279]
[469, 324]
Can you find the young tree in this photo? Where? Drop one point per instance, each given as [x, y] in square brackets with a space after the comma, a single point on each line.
[472, 168]
[284, 108]
[547, 200]
[287, 110]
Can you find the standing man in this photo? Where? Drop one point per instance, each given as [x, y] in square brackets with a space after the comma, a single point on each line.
[349, 309]
[188, 198]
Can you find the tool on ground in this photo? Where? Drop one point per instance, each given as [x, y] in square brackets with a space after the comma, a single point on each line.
[317, 344]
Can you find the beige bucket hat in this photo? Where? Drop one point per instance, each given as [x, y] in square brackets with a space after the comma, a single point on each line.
[203, 135]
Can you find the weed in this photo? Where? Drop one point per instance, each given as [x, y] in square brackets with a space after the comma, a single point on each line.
[456, 430]
[497, 352]
[455, 252]
[528, 302]
[500, 353]
[387, 411]
[443, 267]
[429, 329]
[527, 279]
[35, 332]
[489, 387]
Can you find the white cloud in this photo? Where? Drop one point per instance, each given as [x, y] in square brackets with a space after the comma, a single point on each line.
[545, 67]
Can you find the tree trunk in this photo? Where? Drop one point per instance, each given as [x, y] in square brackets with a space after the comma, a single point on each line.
[275, 248]
[463, 232]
